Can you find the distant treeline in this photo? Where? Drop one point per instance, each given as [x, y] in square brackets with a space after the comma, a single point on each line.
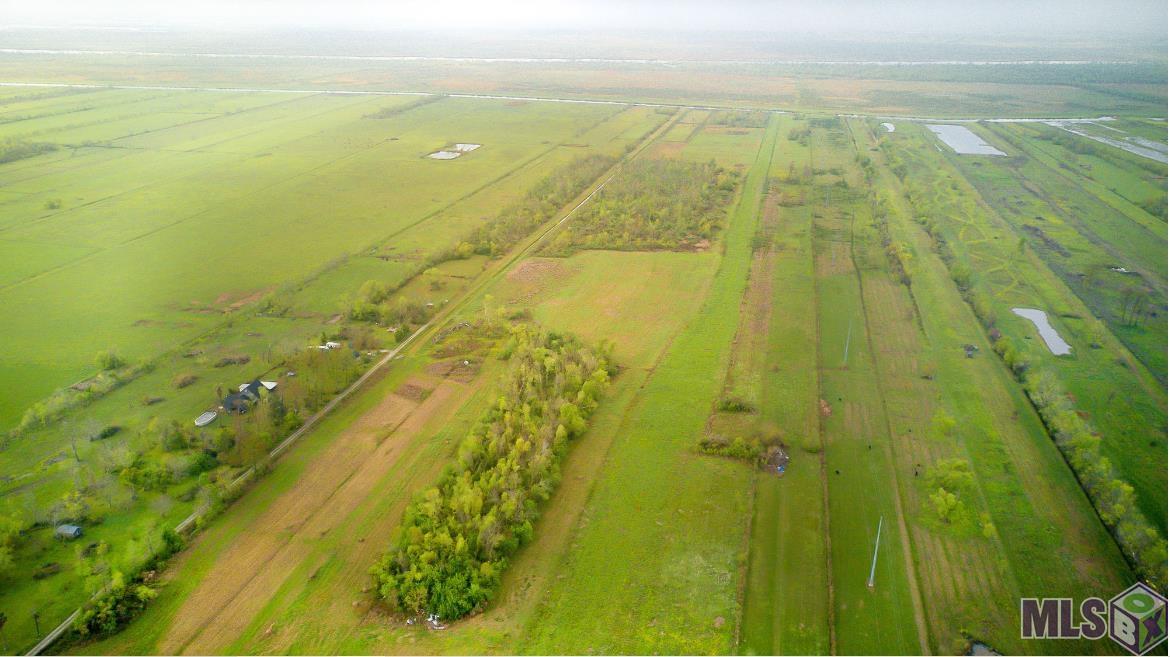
[653, 205]
[457, 536]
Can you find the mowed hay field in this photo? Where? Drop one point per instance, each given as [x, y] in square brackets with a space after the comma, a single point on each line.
[161, 211]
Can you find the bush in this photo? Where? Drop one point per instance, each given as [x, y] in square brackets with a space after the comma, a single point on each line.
[109, 360]
[736, 405]
[184, 380]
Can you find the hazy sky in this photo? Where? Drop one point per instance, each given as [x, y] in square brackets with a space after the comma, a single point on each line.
[970, 16]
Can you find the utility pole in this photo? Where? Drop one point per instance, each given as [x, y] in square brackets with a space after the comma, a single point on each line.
[873, 566]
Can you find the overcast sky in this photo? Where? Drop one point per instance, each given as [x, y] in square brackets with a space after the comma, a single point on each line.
[967, 16]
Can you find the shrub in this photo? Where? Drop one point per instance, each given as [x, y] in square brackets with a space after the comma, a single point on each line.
[109, 360]
[736, 405]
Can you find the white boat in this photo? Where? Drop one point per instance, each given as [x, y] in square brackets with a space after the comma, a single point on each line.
[205, 418]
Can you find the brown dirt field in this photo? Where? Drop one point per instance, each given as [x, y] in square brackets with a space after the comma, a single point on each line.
[251, 570]
[413, 391]
[535, 270]
[532, 277]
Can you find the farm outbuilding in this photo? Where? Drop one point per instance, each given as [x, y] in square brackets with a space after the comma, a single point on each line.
[68, 532]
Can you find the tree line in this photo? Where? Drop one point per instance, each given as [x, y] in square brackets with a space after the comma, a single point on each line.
[457, 537]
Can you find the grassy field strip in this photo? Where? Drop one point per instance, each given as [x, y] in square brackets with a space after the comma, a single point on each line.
[787, 601]
[877, 320]
[1038, 511]
[862, 484]
[654, 483]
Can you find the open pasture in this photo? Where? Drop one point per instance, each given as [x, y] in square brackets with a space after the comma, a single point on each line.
[177, 225]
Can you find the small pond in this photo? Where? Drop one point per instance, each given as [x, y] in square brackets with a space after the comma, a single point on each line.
[1056, 344]
[963, 141]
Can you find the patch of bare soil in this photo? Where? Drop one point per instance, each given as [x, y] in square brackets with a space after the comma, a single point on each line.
[535, 271]
[462, 370]
[413, 391]
[532, 277]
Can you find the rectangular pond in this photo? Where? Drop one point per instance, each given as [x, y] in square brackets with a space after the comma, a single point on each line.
[962, 140]
[1039, 318]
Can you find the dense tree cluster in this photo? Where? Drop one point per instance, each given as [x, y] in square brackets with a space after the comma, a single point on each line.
[456, 537]
[653, 205]
[123, 598]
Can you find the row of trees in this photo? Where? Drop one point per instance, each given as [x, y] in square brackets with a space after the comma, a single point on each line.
[653, 204]
[457, 536]
[1112, 497]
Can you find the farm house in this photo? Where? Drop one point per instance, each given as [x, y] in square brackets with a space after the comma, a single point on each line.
[249, 393]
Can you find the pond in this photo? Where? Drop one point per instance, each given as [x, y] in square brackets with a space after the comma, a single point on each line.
[453, 152]
[1039, 318]
[963, 141]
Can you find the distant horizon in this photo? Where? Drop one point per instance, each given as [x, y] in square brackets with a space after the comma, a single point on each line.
[942, 18]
